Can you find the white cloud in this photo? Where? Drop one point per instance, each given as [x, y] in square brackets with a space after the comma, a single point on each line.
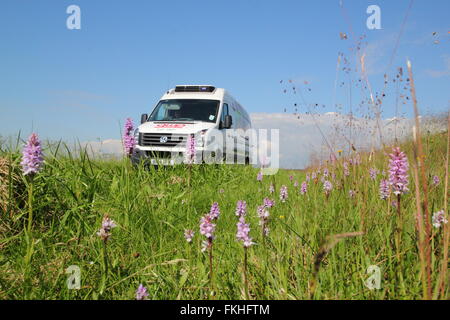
[300, 137]
[109, 147]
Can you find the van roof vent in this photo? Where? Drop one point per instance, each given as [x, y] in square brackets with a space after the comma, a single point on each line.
[195, 89]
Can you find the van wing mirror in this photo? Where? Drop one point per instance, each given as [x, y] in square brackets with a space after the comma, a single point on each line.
[144, 118]
[228, 122]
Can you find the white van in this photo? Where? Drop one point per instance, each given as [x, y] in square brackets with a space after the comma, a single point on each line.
[202, 111]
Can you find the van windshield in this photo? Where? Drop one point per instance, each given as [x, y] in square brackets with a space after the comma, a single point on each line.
[186, 110]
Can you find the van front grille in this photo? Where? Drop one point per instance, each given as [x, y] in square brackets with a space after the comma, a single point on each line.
[162, 140]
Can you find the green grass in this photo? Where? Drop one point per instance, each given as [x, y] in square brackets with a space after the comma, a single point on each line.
[153, 207]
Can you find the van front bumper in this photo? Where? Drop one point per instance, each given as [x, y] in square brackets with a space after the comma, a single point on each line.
[165, 157]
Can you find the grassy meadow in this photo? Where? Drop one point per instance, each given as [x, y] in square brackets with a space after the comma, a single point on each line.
[50, 222]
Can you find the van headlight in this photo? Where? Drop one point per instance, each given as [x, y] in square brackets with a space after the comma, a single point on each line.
[136, 135]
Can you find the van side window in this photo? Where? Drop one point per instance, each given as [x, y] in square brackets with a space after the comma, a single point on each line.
[224, 112]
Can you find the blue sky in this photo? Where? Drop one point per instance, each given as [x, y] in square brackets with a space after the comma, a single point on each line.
[82, 83]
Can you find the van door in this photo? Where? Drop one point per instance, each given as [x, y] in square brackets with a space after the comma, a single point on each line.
[241, 138]
[228, 151]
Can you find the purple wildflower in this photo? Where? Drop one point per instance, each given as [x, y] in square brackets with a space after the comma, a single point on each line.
[436, 180]
[291, 178]
[304, 188]
[262, 212]
[373, 173]
[384, 189]
[283, 193]
[308, 178]
[128, 138]
[190, 149]
[207, 228]
[314, 176]
[327, 187]
[439, 219]
[105, 230]
[398, 171]
[141, 292]
[215, 211]
[241, 208]
[263, 215]
[242, 232]
[259, 177]
[108, 224]
[326, 172]
[351, 193]
[295, 184]
[32, 157]
[271, 188]
[346, 171]
[189, 234]
[268, 203]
